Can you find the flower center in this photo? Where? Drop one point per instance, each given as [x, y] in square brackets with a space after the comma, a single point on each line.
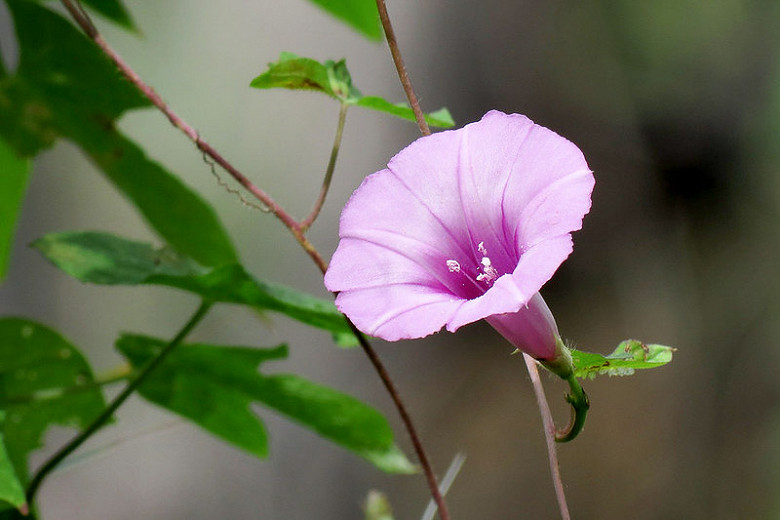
[485, 273]
[489, 273]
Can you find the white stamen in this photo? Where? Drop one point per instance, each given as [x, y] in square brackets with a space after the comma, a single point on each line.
[453, 266]
[489, 273]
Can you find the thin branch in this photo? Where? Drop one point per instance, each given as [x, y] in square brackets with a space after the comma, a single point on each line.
[446, 483]
[77, 441]
[401, 68]
[82, 19]
[334, 154]
[549, 435]
[407, 420]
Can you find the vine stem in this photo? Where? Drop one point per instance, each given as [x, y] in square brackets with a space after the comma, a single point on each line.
[549, 435]
[82, 19]
[395, 51]
[430, 476]
[101, 419]
[544, 408]
[334, 154]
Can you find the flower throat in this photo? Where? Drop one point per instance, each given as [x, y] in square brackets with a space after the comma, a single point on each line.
[486, 273]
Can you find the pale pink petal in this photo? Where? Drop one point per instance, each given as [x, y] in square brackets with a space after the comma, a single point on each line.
[387, 235]
[557, 209]
[395, 312]
[532, 329]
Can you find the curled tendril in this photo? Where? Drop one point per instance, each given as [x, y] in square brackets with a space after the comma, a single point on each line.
[580, 404]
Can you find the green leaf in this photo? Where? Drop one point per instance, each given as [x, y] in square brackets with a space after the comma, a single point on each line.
[296, 73]
[293, 72]
[114, 10]
[440, 118]
[14, 173]
[214, 387]
[360, 14]
[106, 259]
[629, 355]
[177, 213]
[66, 71]
[333, 79]
[65, 87]
[11, 489]
[35, 364]
[103, 258]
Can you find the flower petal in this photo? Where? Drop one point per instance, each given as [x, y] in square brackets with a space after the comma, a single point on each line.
[557, 209]
[532, 329]
[395, 312]
[387, 235]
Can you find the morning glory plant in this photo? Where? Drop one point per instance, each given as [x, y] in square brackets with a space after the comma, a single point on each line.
[463, 225]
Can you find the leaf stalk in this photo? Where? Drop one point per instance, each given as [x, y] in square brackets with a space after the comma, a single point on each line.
[549, 435]
[334, 154]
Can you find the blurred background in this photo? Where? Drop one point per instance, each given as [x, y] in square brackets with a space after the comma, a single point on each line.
[676, 105]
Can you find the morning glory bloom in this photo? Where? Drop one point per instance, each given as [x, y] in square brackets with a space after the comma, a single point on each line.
[461, 226]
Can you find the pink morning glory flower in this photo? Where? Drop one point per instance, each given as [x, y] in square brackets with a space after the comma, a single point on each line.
[463, 225]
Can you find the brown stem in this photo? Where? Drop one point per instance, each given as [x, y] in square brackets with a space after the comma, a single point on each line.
[308, 221]
[549, 435]
[407, 420]
[401, 68]
[82, 19]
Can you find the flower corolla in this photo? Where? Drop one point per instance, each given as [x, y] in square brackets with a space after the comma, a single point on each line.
[463, 225]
